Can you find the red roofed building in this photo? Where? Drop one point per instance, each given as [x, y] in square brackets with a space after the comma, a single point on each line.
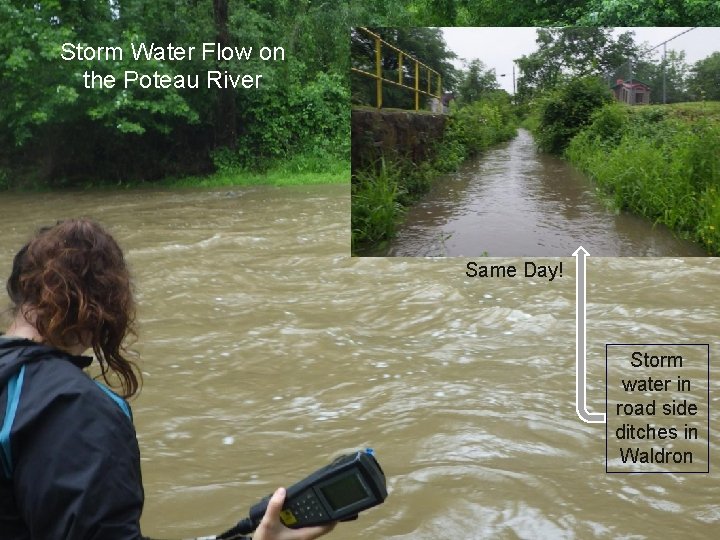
[632, 92]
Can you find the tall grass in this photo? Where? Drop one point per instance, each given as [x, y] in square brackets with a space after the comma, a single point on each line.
[655, 162]
[375, 206]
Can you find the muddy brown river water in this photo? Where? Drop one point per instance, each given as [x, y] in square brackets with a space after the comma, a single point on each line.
[267, 351]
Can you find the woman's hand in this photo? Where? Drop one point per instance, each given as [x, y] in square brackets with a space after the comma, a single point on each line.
[271, 528]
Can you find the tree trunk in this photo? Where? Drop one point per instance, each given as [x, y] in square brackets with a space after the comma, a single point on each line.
[225, 130]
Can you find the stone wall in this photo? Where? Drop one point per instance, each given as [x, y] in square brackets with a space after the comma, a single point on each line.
[404, 134]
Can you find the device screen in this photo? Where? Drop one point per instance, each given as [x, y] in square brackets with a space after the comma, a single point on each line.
[344, 492]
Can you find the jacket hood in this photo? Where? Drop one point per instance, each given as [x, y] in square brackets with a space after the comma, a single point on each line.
[15, 352]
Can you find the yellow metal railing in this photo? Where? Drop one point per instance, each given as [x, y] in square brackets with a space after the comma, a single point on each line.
[378, 75]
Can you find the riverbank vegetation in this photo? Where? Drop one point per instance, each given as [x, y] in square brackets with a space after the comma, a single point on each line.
[658, 161]
[662, 162]
[302, 169]
[55, 132]
[563, 12]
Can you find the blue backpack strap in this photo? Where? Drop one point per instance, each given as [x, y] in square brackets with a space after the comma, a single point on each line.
[14, 389]
[117, 399]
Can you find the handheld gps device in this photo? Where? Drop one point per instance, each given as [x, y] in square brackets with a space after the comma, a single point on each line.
[337, 492]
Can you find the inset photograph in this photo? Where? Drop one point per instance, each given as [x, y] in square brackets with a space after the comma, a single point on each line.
[533, 141]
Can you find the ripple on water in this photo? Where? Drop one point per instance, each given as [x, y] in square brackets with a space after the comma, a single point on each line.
[283, 346]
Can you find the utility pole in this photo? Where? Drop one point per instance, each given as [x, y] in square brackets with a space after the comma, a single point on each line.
[664, 45]
[514, 87]
[664, 65]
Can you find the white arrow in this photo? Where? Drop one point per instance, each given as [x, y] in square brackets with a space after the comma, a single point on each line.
[580, 338]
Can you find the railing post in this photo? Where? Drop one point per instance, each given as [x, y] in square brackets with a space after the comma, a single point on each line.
[400, 71]
[378, 73]
[417, 85]
[429, 77]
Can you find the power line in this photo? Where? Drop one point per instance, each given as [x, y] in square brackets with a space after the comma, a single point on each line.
[664, 60]
[674, 37]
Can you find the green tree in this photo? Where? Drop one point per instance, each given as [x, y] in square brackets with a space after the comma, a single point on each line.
[566, 110]
[667, 78]
[559, 12]
[424, 44]
[572, 52]
[476, 82]
[704, 80]
[494, 12]
[225, 124]
[650, 13]
[48, 117]
[54, 129]
[40, 89]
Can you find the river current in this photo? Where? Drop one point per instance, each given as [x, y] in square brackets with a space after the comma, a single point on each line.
[267, 351]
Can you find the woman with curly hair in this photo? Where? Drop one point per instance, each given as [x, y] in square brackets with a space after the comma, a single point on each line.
[69, 457]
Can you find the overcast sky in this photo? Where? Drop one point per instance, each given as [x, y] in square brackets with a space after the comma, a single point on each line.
[498, 47]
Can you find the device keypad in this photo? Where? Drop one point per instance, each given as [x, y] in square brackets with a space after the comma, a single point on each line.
[307, 508]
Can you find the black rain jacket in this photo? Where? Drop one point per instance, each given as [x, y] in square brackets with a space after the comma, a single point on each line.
[69, 457]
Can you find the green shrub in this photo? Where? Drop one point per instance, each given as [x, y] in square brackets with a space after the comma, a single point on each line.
[479, 125]
[656, 165]
[697, 151]
[609, 122]
[375, 207]
[566, 110]
[295, 116]
[709, 219]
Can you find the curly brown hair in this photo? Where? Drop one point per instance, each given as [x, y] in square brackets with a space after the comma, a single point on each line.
[71, 281]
